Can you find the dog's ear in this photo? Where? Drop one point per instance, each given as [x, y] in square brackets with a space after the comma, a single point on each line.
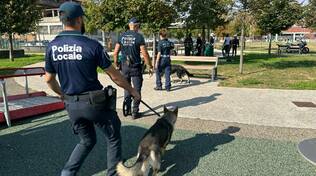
[165, 109]
[176, 110]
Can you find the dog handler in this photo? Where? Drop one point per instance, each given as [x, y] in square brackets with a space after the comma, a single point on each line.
[131, 44]
[163, 62]
[75, 59]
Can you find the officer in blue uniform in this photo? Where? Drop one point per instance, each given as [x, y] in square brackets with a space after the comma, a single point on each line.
[163, 62]
[75, 59]
[131, 44]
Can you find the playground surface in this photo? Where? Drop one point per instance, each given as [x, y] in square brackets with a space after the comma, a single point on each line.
[40, 146]
[220, 131]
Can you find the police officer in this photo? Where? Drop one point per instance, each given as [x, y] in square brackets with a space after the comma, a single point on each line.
[163, 62]
[131, 44]
[75, 59]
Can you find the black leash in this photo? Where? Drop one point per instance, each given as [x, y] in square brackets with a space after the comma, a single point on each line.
[150, 108]
[127, 108]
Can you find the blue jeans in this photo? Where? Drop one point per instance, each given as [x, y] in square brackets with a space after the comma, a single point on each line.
[164, 66]
[84, 116]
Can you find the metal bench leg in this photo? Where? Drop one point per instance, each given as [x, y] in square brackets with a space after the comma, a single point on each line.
[213, 74]
[5, 103]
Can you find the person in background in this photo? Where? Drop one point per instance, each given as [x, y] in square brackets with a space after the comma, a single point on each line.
[226, 46]
[199, 45]
[163, 62]
[188, 45]
[235, 43]
[131, 44]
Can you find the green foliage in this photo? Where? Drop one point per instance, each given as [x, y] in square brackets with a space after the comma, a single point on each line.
[110, 15]
[18, 16]
[310, 14]
[273, 16]
[177, 33]
[203, 13]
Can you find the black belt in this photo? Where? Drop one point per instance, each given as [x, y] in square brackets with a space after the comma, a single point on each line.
[81, 97]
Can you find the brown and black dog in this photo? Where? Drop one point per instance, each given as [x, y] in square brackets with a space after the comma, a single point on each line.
[152, 146]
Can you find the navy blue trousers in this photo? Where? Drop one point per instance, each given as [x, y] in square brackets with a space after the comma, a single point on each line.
[133, 75]
[163, 66]
[84, 116]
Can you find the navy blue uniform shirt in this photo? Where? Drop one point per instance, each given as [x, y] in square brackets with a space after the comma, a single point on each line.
[165, 47]
[75, 59]
[130, 43]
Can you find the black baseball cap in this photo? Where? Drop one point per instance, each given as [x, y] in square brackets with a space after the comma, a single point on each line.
[71, 10]
[133, 20]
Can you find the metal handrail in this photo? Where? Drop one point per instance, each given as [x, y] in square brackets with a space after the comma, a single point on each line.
[3, 85]
[21, 75]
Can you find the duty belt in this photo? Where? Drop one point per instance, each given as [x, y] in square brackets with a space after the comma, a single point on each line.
[80, 97]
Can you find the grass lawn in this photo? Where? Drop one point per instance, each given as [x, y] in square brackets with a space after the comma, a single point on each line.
[288, 71]
[261, 71]
[19, 62]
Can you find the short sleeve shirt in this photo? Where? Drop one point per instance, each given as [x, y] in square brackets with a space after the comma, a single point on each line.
[165, 47]
[130, 43]
[75, 58]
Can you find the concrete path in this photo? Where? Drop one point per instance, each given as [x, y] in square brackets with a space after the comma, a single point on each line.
[205, 100]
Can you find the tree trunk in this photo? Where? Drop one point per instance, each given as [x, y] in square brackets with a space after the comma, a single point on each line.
[203, 33]
[270, 43]
[208, 33]
[242, 50]
[11, 47]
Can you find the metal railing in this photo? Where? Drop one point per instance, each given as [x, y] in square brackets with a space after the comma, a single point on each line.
[18, 72]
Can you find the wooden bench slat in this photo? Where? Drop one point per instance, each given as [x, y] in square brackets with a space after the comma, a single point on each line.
[199, 67]
[193, 58]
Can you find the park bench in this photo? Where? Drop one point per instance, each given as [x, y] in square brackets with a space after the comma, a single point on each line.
[289, 48]
[199, 59]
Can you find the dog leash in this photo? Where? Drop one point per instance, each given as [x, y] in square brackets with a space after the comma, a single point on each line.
[150, 108]
[126, 109]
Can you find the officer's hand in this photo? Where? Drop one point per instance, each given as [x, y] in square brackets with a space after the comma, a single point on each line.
[135, 95]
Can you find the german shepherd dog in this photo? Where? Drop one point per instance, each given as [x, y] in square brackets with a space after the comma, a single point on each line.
[180, 72]
[152, 146]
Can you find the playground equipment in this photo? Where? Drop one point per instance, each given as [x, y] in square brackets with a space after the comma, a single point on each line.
[28, 104]
[307, 148]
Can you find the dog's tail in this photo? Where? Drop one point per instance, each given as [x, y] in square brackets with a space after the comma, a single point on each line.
[134, 170]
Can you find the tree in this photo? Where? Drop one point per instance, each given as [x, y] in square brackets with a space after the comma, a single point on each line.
[18, 17]
[310, 14]
[109, 15]
[203, 14]
[273, 16]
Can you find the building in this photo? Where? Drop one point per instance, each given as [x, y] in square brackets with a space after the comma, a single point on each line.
[296, 32]
[50, 25]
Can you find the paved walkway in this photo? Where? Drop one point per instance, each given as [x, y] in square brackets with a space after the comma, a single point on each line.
[205, 100]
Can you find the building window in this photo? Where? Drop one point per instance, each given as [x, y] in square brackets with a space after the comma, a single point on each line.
[48, 13]
[55, 29]
[43, 29]
[55, 13]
